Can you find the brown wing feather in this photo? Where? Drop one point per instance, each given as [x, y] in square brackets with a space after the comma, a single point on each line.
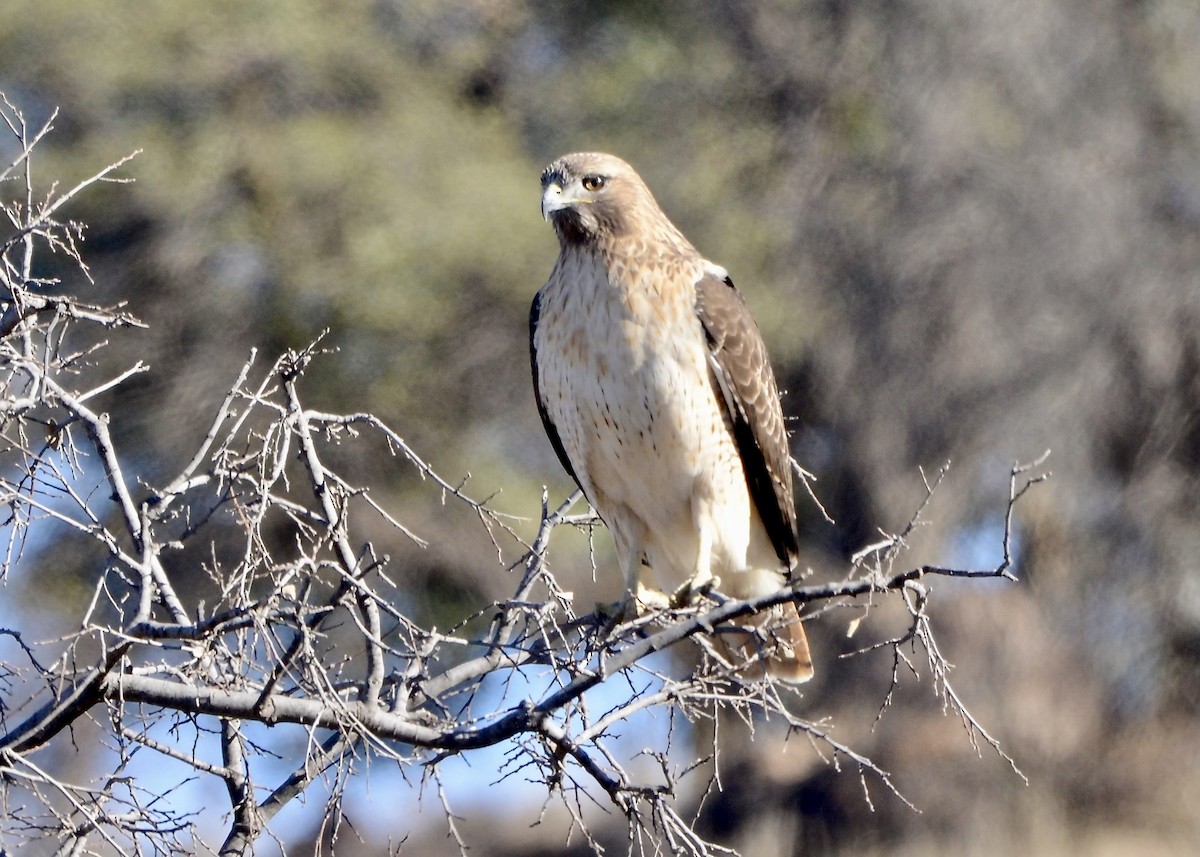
[548, 424]
[746, 386]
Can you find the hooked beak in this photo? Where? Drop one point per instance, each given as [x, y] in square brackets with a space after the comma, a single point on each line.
[553, 200]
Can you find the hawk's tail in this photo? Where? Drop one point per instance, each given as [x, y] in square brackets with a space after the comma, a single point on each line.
[773, 639]
[791, 661]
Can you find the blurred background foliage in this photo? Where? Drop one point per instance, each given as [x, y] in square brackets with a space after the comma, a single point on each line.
[970, 230]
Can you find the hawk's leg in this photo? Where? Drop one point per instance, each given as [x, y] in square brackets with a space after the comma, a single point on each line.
[638, 597]
[702, 581]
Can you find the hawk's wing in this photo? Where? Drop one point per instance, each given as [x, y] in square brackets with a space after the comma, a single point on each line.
[551, 431]
[746, 385]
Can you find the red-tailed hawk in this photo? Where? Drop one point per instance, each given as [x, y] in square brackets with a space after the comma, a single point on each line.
[653, 384]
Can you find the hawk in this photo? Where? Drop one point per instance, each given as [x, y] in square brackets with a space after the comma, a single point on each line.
[653, 384]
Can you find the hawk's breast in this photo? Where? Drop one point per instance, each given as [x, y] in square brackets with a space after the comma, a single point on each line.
[624, 375]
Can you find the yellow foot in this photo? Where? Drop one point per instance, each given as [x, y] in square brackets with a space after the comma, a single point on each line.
[688, 594]
[651, 599]
[631, 606]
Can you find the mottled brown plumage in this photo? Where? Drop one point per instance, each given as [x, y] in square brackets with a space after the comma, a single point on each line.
[653, 384]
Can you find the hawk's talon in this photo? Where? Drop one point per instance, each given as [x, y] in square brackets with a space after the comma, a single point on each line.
[688, 594]
[616, 612]
[651, 599]
[632, 606]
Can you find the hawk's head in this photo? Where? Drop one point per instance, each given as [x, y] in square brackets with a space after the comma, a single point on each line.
[591, 197]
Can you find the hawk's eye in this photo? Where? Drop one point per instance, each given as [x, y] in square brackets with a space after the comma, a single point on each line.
[593, 183]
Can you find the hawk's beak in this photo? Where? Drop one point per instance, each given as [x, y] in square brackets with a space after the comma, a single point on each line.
[552, 200]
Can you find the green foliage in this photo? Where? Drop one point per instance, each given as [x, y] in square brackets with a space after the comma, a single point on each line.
[382, 203]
